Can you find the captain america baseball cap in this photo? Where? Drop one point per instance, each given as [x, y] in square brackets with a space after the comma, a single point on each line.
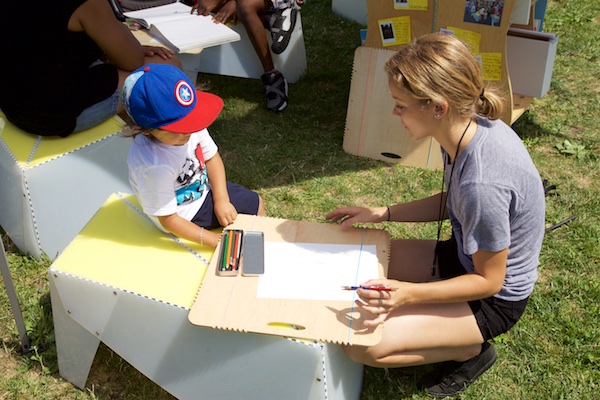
[162, 96]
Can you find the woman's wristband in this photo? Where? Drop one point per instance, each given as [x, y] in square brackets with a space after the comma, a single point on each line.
[389, 216]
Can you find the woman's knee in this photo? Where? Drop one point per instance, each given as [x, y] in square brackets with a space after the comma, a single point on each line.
[247, 8]
[361, 354]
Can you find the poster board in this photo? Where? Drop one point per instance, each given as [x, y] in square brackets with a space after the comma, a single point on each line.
[371, 129]
[484, 30]
[231, 302]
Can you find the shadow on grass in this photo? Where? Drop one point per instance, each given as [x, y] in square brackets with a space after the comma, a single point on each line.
[262, 149]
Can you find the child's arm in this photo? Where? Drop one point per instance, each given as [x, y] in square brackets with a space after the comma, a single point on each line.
[224, 210]
[184, 229]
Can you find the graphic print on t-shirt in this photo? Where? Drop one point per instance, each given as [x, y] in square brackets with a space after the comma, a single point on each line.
[192, 178]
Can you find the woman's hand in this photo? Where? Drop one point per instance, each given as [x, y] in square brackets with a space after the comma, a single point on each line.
[225, 12]
[162, 52]
[380, 303]
[225, 212]
[205, 7]
[348, 216]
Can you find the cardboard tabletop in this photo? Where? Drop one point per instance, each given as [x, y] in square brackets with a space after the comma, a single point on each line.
[231, 302]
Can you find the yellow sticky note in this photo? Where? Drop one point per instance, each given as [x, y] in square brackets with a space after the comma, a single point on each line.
[410, 5]
[491, 66]
[394, 31]
[470, 38]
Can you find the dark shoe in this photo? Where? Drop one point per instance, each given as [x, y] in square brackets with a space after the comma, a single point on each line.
[457, 376]
[276, 88]
[282, 23]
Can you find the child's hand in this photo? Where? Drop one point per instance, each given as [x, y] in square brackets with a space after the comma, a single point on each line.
[225, 212]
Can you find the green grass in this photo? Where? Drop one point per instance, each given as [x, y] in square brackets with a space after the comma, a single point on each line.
[296, 162]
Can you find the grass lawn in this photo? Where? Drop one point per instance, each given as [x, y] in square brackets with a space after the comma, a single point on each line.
[296, 162]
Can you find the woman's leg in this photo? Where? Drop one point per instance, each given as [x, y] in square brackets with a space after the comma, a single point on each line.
[420, 334]
[423, 334]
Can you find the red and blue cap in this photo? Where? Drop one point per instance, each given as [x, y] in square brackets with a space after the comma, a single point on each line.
[162, 96]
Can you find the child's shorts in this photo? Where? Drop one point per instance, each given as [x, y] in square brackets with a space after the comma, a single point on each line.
[494, 316]
[244, 200]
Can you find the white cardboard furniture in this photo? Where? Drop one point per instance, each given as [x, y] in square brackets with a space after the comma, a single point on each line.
[51, 186]
[354, 10]
[239, 58]
[132, 287]
[530, 56]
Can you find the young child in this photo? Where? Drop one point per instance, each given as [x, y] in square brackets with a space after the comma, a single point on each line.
[279, 17]
[175, 169]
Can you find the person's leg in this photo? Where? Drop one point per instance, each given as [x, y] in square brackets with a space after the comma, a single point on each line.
[252, 14]
[411, 260]
[421, 333]
[281, 23]
[98, 112]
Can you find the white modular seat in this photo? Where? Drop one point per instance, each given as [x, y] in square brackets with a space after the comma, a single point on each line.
[239, 58]
[50, 186]
[132, 289]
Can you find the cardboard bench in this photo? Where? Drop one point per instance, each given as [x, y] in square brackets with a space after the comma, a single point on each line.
[50, 186]
[239, 58]
[123, 282]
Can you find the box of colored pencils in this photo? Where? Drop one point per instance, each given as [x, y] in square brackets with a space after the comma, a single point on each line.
[230, 252]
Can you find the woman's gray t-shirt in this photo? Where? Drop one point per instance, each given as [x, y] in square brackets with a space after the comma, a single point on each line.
[496, 201]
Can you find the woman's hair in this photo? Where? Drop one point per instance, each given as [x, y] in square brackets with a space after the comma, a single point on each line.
[437, 67]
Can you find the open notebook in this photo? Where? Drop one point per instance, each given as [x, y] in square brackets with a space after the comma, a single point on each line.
[177, 28]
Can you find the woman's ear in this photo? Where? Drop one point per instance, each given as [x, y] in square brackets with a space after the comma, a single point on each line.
[440, 110]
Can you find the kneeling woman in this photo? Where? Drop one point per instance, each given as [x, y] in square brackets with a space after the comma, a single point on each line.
[480, 280]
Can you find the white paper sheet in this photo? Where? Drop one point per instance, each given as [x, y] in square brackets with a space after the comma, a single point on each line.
[309, 271]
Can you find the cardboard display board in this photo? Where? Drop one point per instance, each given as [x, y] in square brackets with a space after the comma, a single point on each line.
[231, 303]
[371, 128]
[435, 15]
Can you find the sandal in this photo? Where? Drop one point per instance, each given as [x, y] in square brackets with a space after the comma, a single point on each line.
[276, 88]
[282, 23]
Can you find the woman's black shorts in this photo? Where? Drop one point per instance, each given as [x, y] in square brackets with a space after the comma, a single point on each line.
[494, 316]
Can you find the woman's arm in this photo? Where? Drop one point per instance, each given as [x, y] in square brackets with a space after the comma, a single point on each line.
[97, 19]
[485, 281]
[424, 210]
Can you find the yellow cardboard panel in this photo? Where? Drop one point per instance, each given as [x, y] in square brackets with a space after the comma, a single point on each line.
[31, 150]
[119, 247]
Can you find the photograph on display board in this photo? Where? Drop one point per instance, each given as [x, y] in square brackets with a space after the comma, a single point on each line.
[387, 32]
[485, 12]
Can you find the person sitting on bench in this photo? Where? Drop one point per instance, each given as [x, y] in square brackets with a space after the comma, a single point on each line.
[279, 16]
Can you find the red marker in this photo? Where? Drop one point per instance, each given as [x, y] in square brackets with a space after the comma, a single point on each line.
[377, 288]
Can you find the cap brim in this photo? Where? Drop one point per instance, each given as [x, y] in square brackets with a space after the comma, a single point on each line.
[207, 109]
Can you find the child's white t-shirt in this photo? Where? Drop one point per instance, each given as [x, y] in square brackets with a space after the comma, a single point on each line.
[170, 179]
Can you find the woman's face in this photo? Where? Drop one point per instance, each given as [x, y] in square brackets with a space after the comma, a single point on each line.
[170, 138]
[416, 116]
